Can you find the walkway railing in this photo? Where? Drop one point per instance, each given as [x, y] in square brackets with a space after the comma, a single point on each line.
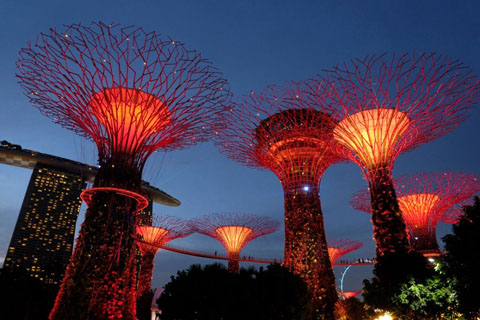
[251, 259]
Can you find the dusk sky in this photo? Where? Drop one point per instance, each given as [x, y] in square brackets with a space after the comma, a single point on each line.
[254, 44]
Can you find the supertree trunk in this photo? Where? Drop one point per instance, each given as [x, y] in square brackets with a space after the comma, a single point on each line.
[100, 280]
[233, 264]
[306, 251]
[146, 272]
[389, 229]
[424, 241]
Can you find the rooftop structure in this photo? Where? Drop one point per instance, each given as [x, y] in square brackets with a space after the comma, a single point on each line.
[275, 129]
[15, 155]
[234, 231]
[424, 199]
[131, 92]
[389, 104]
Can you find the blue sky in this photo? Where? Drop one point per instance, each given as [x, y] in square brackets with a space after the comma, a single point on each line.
[254, 43]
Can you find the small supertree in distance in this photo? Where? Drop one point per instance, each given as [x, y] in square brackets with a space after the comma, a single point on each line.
[150, 237]
[340, 247]
[276, 129]
[234, 231]
[424, 199]
[350, 294]
[390, 104]
[131, 92]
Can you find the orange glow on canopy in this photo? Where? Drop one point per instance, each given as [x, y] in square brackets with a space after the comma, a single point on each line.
[295, 145]
[129, 116]
[233, 237]
[296, 148]
[152, 236]
[372, 134]
[350, 294]
[416, 209]
[334, 254]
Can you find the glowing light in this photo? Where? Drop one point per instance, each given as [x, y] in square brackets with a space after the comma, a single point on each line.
[385, 316]
[129, 116]
[338, 248]
[142, 202]
[431, 260]
[350, 294]
[334, 254]
[306, 188]
[234, 237]
[417, 209]
[152, 236]
[294, 144]
[372, 134]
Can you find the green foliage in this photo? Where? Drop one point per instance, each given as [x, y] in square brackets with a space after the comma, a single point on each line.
[391, 271]
[431, 298]
[214, 293]
[462, 261]
[413, 292]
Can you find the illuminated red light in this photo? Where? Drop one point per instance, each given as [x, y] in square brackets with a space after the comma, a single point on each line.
[129, 116]
[372, 134]
[234, 238]
[142, 202]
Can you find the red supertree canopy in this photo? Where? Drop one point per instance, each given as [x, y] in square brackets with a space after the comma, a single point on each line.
[394, 103]
[389, 104]
[130, 91]
[340, 247]
[424, 199]
[162, 230]
[279, 130]
[150, 238]
[350, 294]
[234, 231]
[276, 129]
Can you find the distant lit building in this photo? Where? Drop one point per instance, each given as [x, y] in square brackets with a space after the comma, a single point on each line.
[42, 241]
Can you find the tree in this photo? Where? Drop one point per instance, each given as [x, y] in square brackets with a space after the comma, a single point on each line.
[25, 297]
[391, 271]
[462, 260]
[351, 309]
[432, 298]
[144, 304]
[279, 294]
[214, 293]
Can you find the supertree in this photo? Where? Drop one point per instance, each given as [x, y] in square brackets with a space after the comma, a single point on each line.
[455, 212]
[150, 237]
[424, 198]
[350, 294]
[390, 104]
[276, 129]
[234, 231]
[131, 92]
[340, 247]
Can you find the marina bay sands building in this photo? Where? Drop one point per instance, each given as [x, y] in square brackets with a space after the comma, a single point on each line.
[42, 241]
